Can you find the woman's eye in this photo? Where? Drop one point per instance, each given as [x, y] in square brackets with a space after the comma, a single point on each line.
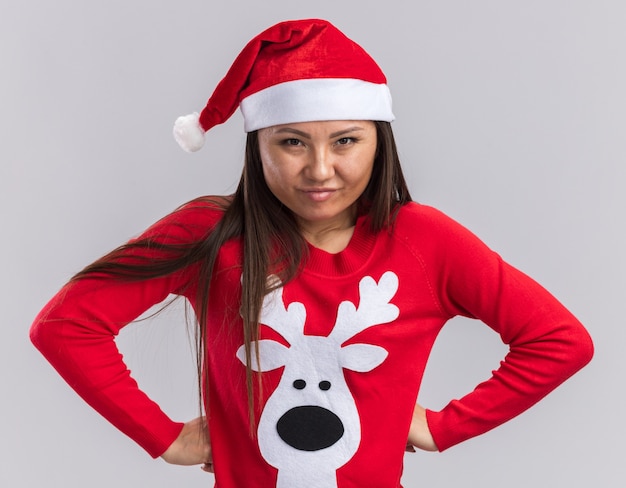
[291, 142]
[345, 140]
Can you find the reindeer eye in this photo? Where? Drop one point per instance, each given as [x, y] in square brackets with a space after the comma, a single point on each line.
[324, 385]
[299, 384]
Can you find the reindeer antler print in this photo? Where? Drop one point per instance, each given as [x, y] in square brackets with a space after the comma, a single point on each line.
[289, 321]
[374, 307]
[310, 425]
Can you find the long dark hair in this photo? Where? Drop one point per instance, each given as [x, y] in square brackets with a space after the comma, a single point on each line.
[271, 241]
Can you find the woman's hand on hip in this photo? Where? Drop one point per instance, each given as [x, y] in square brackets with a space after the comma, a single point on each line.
[419, 433]
[192, 446]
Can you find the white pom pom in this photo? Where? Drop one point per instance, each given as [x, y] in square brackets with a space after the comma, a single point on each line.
[188, 132]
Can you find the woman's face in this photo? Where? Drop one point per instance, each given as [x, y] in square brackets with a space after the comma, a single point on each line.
[319, 169]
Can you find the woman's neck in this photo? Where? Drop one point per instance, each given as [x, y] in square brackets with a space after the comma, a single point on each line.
[332, 236]
[332, 241]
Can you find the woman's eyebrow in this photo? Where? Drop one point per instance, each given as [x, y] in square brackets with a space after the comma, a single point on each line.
[346, 131]
[306, 135]
[289, 130]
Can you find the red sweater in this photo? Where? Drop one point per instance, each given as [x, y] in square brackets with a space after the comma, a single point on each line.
[343, 350]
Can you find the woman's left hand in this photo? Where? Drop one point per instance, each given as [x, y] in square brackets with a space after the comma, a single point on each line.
[419, 433]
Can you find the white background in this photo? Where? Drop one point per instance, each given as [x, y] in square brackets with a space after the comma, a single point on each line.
[510, 118]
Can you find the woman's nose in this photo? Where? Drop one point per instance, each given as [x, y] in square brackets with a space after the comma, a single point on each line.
[321, 165]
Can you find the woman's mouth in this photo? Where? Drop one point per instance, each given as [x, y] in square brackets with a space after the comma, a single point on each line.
[319, 194]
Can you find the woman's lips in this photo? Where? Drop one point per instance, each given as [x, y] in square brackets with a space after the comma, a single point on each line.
[319, 194]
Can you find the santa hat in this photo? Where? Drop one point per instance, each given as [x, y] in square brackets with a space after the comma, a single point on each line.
[295, 71]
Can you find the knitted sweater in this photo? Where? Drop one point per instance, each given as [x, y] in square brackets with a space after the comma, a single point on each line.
[343, 348]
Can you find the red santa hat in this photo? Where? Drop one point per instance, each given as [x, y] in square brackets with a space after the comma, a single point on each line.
[295, 71]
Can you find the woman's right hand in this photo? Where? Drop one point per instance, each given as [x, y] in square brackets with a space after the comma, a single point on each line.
[192, 446]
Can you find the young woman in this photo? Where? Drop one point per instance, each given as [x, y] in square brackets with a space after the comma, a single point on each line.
[319, 288]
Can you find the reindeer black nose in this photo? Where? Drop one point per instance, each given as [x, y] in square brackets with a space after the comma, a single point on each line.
[310, 428]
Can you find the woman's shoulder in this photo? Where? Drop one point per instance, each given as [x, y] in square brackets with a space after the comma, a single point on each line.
[424, 224]
[418, 214]
[192, 220]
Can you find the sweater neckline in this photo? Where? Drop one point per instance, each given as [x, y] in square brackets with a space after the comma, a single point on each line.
[348, 261]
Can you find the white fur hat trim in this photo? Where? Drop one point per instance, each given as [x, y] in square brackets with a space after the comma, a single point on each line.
[188, 132]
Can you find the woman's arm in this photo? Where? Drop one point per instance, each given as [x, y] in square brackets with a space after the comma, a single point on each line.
[76, 333]
[547, 344]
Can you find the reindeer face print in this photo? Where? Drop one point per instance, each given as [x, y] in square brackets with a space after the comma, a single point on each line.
[310, 425]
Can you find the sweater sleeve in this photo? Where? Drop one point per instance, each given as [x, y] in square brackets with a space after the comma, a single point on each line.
[547, 344]
[76, 333]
